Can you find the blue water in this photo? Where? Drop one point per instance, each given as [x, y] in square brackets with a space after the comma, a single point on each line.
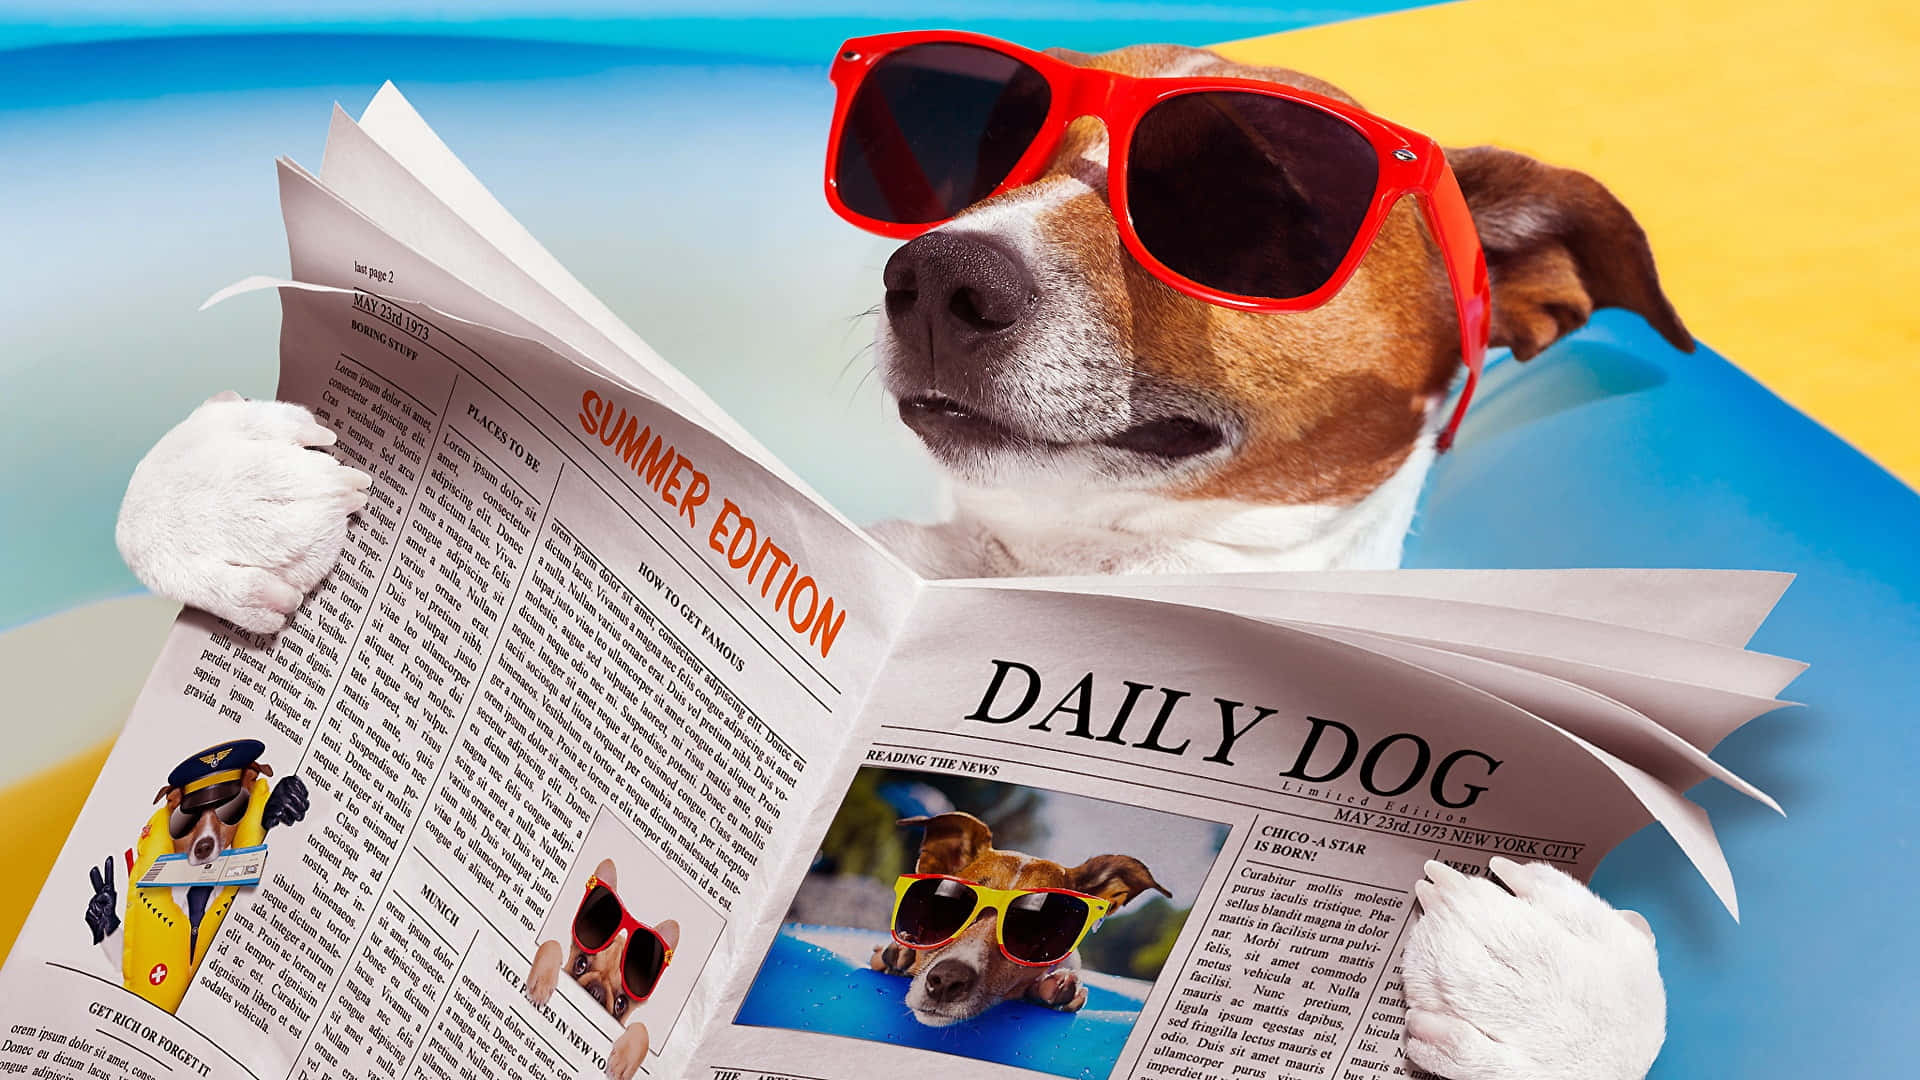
[804, 987]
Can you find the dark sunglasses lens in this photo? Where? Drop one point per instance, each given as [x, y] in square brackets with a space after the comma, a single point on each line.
[598, 918]
[933, 910]
[231, 811]
[1042, 927]
[646, 959]
[934, 129]
[1247, 193]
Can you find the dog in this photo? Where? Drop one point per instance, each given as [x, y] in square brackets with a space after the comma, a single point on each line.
[214, 801]
[1103, 422]
[210, 833]
[598, 973]
[1114, 425]
[969, 975]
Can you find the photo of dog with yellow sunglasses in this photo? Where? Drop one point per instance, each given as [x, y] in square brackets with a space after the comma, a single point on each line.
[992, 920]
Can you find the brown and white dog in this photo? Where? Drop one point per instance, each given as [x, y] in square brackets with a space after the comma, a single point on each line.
[969, 975]
[1094, 420]
[208, 833]
[599, 975]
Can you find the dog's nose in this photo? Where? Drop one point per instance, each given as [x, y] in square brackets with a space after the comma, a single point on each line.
[204, 849]
[950, 980]
[956, 288]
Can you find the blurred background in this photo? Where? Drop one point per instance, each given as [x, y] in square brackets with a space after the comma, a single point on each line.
[669, 154]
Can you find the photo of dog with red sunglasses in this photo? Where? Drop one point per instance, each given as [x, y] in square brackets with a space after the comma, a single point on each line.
[992, 920]
[618, 941]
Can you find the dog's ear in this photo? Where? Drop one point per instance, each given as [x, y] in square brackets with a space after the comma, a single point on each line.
[259, 768]
[1558, 245]
[169, 793]
[952, 841]
[1114, 878]
[608, 876]
[669, 932]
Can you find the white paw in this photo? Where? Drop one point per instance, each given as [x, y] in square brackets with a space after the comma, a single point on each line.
[232, 513]
[1548, 983]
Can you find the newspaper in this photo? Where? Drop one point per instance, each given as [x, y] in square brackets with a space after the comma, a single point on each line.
[610, 749]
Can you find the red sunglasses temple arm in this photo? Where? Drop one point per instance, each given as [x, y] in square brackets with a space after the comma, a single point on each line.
[1452, 225]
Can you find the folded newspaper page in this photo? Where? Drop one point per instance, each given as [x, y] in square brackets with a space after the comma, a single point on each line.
[610, 749]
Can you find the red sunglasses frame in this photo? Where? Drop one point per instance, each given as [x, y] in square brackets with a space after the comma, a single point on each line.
[630, 925]
[1410, 164]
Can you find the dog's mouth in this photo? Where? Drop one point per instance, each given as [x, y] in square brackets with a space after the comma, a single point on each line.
[938, 1018]
[945, 423]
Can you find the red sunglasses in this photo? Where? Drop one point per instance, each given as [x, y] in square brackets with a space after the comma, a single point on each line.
[1241, 193]
[598, 924]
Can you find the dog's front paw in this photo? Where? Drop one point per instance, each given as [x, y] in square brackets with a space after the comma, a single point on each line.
[1059, 990]
[233, 513]
[629, 1050]
[892, 958]
[1545, 983]
[545, 974]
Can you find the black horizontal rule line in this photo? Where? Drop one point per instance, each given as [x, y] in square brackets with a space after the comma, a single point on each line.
[583, 551]
[391, 381]
[418, 918]
[117, 986]
[474, 445]
[1233, 783]
[1326, 877]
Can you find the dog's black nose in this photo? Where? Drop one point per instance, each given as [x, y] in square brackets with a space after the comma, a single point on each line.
[953, 288]
[204, 849]
[950, 980]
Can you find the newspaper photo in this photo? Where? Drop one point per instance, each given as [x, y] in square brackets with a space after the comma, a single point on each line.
[610, 749]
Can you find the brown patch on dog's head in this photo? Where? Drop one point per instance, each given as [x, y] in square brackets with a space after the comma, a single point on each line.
[950, 841]
[1080, 371]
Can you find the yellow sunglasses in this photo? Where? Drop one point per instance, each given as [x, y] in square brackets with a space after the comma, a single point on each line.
[1035, 927]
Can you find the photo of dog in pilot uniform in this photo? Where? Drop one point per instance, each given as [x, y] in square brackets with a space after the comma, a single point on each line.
[216, 802]
[990, 920]
[615, 957]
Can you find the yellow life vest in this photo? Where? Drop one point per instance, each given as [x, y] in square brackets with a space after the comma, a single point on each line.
[161, 947]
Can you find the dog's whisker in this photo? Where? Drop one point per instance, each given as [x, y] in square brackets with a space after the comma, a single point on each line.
[871, 368]
[851, 360]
